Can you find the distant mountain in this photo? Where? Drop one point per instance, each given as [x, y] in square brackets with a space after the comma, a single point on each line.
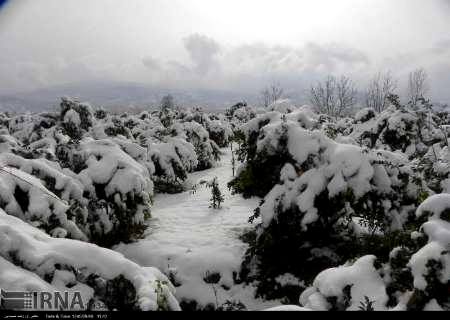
[117, 95]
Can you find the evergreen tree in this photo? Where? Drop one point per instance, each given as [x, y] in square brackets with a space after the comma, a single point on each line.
[216, 195]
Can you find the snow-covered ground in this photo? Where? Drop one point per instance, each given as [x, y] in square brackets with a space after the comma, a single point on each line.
[189, 240]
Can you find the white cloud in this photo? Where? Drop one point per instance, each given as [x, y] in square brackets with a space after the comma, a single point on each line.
[251, 66]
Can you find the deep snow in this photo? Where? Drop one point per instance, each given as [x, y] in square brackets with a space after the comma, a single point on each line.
[189, 240]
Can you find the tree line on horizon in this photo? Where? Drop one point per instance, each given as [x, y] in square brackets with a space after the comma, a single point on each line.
[338, 96]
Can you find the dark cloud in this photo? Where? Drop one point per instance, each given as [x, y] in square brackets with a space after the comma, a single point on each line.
[203, 51]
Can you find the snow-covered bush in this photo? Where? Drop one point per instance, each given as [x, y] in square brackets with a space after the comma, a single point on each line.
[179, 149]
[229, 113]
[344, 288]
[76, 117]
[147, 128]
[96, 192]
[112, 126]
[28, 128]
[398, 129]
[196, 114]
[208, 153]
[8, 143]
[321, 194]
[261, 170]
[41, 194]
[173, 160]
[435, 165]
[219, 132]
[365, 115]
[430, 266]
[119, 190]
[240, 113]
[33, 261]
[416, 277]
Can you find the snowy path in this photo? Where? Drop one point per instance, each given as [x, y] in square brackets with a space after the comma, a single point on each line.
[188, 239]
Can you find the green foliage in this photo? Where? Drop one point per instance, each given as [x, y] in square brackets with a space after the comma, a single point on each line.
[381, 244]
[164, 184]
[72, 130]
[285, 247]
[119, 294]
[258, 177]
[423, 195]
[216, 195]
[122, 216]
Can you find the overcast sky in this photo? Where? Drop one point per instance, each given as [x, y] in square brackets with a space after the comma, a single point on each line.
[221, 44]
